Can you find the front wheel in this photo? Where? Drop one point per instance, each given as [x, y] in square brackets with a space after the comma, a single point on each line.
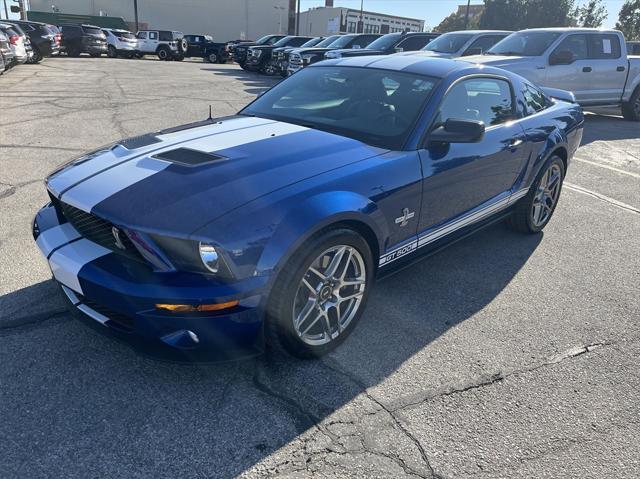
[534, 211]
[164, 53]
[631, 109]
[112, 52]
[212, 57]
[320, 294]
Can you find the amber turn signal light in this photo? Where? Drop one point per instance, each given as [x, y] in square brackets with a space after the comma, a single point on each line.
[190, 308]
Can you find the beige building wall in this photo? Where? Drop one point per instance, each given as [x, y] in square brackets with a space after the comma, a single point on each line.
[223, 19]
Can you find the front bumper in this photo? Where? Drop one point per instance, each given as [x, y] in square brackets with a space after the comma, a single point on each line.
[119, 295]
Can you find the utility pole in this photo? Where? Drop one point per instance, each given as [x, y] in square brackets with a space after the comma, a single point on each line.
[361, 26]
[298, 18]
[135, 13]
[6, 10]
[466, 16]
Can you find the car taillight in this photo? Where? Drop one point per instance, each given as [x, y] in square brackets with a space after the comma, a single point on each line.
[13, 39]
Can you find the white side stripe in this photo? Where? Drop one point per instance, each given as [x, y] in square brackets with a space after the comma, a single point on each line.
[100, 187]
[55, 237]
[67, 262]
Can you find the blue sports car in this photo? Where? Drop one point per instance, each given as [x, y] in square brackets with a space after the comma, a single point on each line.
[269, 227]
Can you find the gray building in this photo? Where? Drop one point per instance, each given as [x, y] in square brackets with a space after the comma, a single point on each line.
[331, 20]
[223, 19]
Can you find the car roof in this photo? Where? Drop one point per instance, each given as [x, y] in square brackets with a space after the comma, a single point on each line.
[478, 32]
[434, 67]
[571, 29]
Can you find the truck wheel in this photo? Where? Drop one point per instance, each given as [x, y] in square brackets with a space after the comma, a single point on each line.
[73, 51]
[164, 53]
[112, 52]
[631, 110]
[212, 57]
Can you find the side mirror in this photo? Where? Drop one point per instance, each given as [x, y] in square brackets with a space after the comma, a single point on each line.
[458, 131]
[472, 51]
[563, 57]
[399, 49]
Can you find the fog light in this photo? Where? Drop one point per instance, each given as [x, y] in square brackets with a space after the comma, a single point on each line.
[192, 308]
[209, 257]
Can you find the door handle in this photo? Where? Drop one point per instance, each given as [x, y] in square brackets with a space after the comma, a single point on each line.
[620, 69]
[515, 143]
[586, 69]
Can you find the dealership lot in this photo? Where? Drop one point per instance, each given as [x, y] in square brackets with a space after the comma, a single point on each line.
[503, 356]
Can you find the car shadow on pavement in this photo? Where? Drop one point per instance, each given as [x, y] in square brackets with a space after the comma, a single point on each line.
[253, 83]
[102, 407]
[608, 127]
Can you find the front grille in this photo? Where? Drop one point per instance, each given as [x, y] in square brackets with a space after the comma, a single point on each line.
[295, 61]
[119, 321]
[97, 230]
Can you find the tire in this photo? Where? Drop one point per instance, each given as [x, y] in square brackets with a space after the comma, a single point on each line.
[73, 52]
[112, 52]
[244, 67]
[212, 57]
[319, 332]
[164, 53]
[95, 55]
[37, 57]
[182, 46]
[527, 216]
[138, 55]
[631, 109]
[269, 69]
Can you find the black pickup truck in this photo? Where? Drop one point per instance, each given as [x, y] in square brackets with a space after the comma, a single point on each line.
[280, 56]
[259, 57]
[386, 45]
[204, 47]
[240, 49]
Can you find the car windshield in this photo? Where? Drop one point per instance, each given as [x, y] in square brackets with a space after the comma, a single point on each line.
[92, 31]
[123, 34]
[327, 41]
[283, 42]
[448, 43]
[384, 42]
[526, 44]
[343, 41]
[377, 107]
[311, 43]
[263, 40]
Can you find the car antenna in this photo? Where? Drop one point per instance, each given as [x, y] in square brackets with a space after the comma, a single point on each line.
[210, 118]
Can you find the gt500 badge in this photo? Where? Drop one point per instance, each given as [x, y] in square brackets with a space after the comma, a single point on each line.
[398, 253]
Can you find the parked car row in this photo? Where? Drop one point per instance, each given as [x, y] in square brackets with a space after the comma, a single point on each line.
[26, 42]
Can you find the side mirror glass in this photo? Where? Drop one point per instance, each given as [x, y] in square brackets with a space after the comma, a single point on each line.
[563, 57]
[458, 131]
[472, 51]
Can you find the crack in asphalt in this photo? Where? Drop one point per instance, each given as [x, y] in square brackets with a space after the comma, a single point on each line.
[488, 380]
[13, 188]
[38, 147]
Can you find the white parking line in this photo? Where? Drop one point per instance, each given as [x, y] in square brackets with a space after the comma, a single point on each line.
[618, 170]
[602, 197]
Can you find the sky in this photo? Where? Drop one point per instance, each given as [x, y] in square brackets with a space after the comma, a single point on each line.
[434, 11]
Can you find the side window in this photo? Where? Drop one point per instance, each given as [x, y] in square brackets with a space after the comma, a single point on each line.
[484, 99]
[576, 44]
[482, 44]
[534, 99]
[413, 43]
[165, 36]
[142, 35]
[604, 46]
[153, 35]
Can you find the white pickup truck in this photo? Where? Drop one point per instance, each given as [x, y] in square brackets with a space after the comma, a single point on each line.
[591, 63]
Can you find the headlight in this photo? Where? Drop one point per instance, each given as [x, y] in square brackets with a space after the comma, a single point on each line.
[307, 58]
[209, 257]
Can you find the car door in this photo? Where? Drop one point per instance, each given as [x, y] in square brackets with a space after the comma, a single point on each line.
[460, 177]
[142, 41]
[608, 68]
[575, 74]
[152, 42]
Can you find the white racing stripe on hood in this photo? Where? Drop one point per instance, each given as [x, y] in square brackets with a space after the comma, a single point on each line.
[108, 159]
[67, 262]
[98, 188]
[55, 237]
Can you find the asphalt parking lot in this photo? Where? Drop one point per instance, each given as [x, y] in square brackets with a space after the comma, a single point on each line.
[503, 356]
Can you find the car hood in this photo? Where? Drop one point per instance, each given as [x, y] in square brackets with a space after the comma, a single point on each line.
[306, 51]
[427, 53]
[358, 52]
[174, 182]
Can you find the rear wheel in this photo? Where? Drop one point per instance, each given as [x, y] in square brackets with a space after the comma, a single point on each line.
[320, 294]
[631, 109]
[73, 51]
[164, 53]
[37, 56]
[212, 57]
[112, 52]
[534, 211]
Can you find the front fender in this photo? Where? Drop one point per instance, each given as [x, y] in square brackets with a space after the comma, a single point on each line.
[313, 215]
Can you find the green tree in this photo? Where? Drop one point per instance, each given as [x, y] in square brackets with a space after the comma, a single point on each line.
[629, 20]
[520, 14]
[455, 22]
[592, 14]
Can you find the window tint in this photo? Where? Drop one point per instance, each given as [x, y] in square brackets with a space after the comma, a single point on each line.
[92, 31]
[378, 107]
[142, 35]
[484, 43]
[525, 43]
[484, 99]
[602, 46]
[576, 44]
[449, 42]
[363, 41]
[534, 99]
[163, 36]
[414, 43]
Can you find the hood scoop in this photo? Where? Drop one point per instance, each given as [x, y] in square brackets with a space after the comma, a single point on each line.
[136, 142]
[188, 157]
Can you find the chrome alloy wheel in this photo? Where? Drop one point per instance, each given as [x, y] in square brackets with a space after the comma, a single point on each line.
[546, 195]
[329, 295]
